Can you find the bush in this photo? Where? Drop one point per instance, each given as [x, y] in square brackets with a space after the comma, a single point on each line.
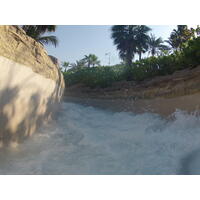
[94, 76]
[104, 76]
[154, 66]
[191, 53]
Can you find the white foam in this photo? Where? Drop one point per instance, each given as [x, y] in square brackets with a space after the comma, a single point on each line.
[85, 140]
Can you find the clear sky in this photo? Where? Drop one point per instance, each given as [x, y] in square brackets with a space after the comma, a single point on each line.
[77, 41]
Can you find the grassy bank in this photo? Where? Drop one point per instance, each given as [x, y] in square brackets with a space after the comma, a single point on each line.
[104, 76]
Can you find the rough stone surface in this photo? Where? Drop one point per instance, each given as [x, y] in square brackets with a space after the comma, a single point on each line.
[17, 46]
[31, 85]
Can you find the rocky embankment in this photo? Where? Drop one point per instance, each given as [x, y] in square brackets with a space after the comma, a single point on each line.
[162, 95]
[31, 85]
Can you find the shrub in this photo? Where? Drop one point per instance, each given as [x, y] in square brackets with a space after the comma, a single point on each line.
[104, 76]
[191, 53]
[94, 76]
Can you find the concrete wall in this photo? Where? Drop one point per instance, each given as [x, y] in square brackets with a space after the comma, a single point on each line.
[28, 97]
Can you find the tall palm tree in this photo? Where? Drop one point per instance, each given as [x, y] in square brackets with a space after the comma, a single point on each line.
[179, 37]
[173, 42]
[91, 60]
[155, 45]
[125, 40]
[130, 39]
[36, 32]
[142, 39]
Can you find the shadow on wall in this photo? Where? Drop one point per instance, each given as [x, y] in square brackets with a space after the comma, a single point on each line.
[38, 110]
[23, 129]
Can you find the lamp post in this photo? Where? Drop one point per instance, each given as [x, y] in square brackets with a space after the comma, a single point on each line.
[108, 54]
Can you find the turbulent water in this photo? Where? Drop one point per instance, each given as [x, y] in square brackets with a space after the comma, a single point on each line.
[87, 140]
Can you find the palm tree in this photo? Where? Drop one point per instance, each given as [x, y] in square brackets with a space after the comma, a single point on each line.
[124, 39]
[65, 65]
[91, 60]
[179, 37]
[78, 64]
[155, 45]
[36, 32]
[130, 39]
[142, 38]
[173, 42]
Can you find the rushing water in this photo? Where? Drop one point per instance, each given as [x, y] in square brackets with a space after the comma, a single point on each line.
[87, 140]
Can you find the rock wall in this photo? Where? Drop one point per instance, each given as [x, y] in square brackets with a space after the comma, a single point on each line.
[31, 85]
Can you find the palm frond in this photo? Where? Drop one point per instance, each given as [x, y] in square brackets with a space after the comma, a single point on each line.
[45, 28]
[48, 39]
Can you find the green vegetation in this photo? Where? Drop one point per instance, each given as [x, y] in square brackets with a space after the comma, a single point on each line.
[178, 38]
[156, 46]
[37, 31]
[183, 52]
[91, 60]
[65, 65]
[130, 40]
[92, 77]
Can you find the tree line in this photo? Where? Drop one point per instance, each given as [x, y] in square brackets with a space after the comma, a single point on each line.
[180, 51]
[90, 60]
[130, 40]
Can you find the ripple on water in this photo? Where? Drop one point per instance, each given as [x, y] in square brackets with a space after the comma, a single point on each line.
[86, 140]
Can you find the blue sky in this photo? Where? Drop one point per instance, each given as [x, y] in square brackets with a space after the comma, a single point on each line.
[77, 41]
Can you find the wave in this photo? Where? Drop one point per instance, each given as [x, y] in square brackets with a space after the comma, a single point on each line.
[87, 140]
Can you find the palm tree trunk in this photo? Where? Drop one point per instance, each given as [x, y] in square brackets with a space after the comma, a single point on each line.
[129, 59]
[128, 69]
[140, 56]
[129, 62]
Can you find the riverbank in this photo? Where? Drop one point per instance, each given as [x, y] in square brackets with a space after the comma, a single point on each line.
[162, 95]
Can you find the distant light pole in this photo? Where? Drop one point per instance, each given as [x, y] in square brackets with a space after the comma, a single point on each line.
[108, 54]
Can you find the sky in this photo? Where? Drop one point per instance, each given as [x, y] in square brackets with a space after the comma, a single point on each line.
[77, 41]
